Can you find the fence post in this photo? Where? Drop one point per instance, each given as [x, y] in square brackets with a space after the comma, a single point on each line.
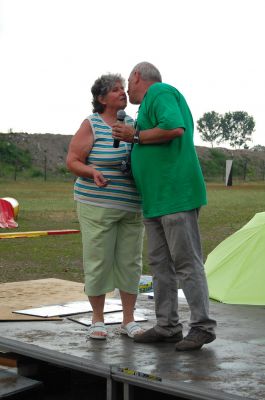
[15, 171]
[45, 165]
[245, 168]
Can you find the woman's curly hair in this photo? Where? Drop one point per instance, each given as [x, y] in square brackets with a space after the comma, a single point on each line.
[103, 86]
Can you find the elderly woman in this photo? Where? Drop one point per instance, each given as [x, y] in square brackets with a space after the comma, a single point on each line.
[108, 208]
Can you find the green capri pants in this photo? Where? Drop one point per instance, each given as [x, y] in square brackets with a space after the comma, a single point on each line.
[112, 248]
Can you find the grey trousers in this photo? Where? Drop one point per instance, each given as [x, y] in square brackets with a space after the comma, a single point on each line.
[175, 257]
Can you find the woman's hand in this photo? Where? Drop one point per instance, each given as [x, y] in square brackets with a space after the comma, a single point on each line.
[99, 179]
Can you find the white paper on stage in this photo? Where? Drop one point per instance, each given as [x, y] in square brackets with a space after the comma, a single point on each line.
[109, 319]
[150, 295]
[75, 307]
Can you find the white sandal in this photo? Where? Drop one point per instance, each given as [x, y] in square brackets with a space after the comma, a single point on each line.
[131, 329]
[97, 331]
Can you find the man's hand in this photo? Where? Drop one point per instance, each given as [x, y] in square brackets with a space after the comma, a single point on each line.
[123, 132]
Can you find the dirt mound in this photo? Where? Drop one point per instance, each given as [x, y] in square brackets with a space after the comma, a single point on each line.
[54, 149]
[47, 146]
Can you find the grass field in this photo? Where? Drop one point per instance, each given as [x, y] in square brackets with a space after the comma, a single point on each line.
[49, 205]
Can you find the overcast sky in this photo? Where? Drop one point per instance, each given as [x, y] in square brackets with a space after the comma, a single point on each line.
[53, 50]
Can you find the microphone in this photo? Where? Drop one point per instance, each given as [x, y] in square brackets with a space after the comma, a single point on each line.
[121, 114]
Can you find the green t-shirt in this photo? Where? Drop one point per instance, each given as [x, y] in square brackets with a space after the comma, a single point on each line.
[168, 176]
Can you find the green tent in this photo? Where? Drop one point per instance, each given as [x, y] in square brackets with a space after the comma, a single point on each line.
[235, 269]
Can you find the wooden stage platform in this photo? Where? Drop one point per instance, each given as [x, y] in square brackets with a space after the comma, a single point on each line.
[232, 367]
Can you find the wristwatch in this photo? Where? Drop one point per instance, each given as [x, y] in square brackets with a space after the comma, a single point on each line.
[136, 137]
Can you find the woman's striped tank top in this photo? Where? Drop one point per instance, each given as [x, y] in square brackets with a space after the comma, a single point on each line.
[121, 192]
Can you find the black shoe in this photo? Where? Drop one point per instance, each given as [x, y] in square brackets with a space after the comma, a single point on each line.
[195, 339]
[151, 336]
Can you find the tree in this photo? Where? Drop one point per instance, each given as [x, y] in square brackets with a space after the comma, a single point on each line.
[11, 154]
[209, 126]
[237, 128]
[258, 147]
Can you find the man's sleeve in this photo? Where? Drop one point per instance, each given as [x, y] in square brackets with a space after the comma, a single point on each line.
[166, 112]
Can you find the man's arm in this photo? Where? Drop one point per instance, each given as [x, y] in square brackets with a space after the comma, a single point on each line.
[148, 136]
[165, 116]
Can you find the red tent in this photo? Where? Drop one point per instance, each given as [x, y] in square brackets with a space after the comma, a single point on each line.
[7, 215]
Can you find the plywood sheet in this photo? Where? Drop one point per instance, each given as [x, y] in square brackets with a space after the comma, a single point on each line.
[76, 307]
[6, 314]
[109, 319]
[36, 293]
